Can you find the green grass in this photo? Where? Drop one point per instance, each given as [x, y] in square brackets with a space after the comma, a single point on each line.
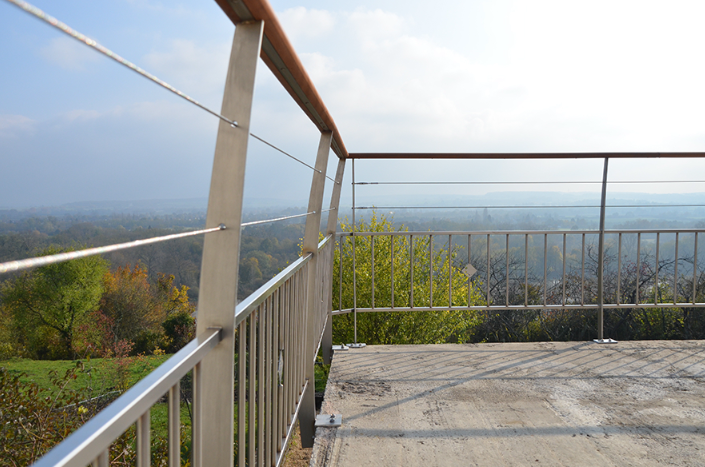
[97, 373]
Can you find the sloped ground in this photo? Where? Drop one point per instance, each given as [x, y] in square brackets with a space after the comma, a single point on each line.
[632, 403]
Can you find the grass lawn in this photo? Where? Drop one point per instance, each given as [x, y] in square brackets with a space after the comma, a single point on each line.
[98, 373]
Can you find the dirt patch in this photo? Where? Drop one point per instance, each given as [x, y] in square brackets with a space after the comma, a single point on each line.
[296, 456]
[371, 388]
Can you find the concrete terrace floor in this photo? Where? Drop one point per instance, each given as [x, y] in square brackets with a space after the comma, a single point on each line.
[565, 403]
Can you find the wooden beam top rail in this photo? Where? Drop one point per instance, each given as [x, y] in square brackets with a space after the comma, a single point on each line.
[520, 155]
[279, 55]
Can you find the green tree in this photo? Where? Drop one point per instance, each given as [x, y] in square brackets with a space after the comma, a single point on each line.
[49, 303]
[409, 327]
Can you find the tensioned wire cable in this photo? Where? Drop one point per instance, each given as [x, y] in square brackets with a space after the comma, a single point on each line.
[22, 264]
[245, 224]
[67, 256]
[531, 183]
[287, 154]
[31, 9]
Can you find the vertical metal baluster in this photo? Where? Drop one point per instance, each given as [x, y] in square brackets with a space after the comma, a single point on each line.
[276, 439]
[430, 269]
[288, 351]
[341, 239]
[174, 408]
[582, 275]
[260, 385]
[619, 270]
[268, 381]
[563, 279]
[241, 391]
[372, 256]
[353, 251]
[251, 386]
[450, 273]
[545, 266]
[506, 254]
[142, 441]
[601, 257]
[197, 421]
[695, 267]
[411, 271]
[658, 237]
[488, 269]
[638, 264]
[469, 276]
[281, 355]
[103, 459]
[675, 275]
[392, 267]
[526, 269]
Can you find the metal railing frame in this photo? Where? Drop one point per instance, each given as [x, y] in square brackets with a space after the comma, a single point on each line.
[414, 236]
[276, 332]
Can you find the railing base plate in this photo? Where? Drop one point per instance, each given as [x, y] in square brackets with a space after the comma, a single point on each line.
[359, 345]
[341, 347]
[604, 341]
[329, 420]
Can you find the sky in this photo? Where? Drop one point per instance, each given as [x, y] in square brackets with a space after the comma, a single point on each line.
[398, 76]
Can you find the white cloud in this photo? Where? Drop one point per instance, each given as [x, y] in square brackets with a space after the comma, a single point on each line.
[16, 125]
[195, 69]
[68, 53]
[302, 23]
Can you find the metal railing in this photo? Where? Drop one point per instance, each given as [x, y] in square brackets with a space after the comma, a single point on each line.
[274, 335]
[253, 362]
[271, 363]
[517, 270]
[90, 444]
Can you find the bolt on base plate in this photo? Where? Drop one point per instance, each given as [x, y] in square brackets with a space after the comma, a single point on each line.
[605, 341]
[359, 345]
[329, 420]
[341, 347]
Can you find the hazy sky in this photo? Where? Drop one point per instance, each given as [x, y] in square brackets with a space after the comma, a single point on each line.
[472, 76]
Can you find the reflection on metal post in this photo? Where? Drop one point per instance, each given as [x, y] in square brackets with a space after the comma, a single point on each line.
[600, 264]
[307, 414]
[352, 230]
[221, 253]
[327, 343]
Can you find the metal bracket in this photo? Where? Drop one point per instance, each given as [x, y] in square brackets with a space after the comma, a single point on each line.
[329, 421]
[604, 341]
[359, 345]
[341, 347]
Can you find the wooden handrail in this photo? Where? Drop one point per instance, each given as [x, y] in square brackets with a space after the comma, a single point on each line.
[281, 58]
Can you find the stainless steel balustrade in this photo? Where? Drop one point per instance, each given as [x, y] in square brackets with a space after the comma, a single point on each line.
[90, 444]
[270, 383]
[499, 274]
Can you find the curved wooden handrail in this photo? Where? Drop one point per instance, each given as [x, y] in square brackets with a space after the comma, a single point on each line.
[282, 60]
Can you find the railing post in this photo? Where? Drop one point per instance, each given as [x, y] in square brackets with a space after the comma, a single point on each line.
[600, 262]
[307, 413]
[327, 344]
[221, 252]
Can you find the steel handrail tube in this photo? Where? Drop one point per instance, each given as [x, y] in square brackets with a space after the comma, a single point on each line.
[520, 232]
[94, 437]
[248, 305]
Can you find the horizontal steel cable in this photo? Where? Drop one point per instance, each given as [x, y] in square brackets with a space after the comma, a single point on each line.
[110, 54]
[28, 263]
[532, 183]
[289, 155]
[538, 207]
[61, 257]
[245, 224]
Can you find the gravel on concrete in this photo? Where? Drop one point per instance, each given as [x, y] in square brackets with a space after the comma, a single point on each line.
[565, 403]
